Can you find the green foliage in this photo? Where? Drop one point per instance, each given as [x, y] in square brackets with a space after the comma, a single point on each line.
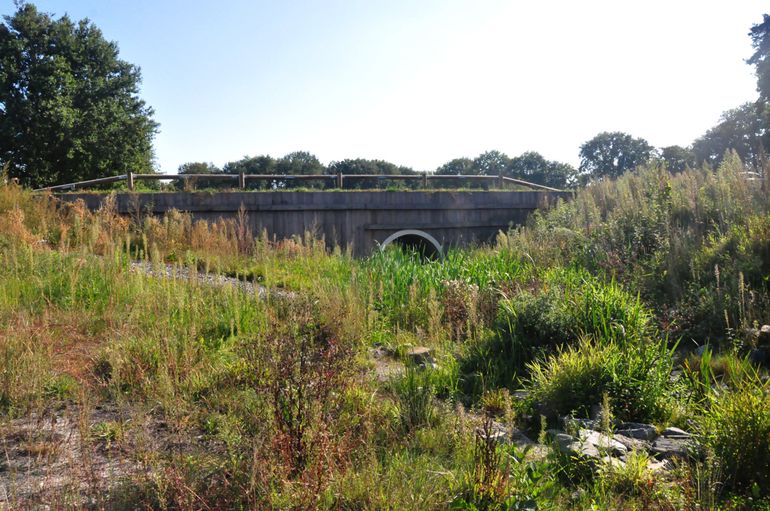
[677, 158]
[736, 426]
[529, 166]
[760, 40]
[609, 155]
[71, 109]
[574, 379]
[660, 234]
[416, 397]
[559, 306]
[741, 130]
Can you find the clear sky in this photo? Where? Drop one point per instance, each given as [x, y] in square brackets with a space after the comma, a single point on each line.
[421, 82]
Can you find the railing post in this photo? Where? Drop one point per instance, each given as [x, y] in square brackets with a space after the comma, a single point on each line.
[339, 180]
[500, 180]
[131, 181]
[425, 180]
[242, 180]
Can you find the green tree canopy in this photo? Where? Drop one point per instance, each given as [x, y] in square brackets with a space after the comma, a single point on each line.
[457, 167]
[299, 162]
[533, 167]
[264, 164]
[491, 163]
[69, 107]
[677, 158]
[610, 154]
[740, 129]
[760, 40]
[364, 166]
[198, 167]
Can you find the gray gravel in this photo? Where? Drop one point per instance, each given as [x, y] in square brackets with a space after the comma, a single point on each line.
[170, 271]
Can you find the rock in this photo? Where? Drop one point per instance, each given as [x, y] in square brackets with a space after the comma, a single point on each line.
[602, 442]
[571, 446]
[420, 356]
[672, 432]
[764, 336]
[758, 356]
[570, 423]
[700, 350]
[633, 444]
[520, 394]
[638, 431]
[660, 465]
[613, 463]
[670, 448]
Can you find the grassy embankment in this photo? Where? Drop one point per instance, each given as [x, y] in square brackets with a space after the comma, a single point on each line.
[207, 397]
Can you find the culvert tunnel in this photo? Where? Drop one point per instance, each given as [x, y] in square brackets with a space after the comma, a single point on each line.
[419, 241]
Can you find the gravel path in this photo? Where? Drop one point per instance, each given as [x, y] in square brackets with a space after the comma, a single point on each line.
[170, 271]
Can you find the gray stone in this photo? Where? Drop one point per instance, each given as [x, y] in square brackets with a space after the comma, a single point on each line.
[520, 394]
[638, 431]
[570, 423]
[700, 350]
[613, 463]
[672, 432]
[670, 448]
[420, 356]
[759, 356]
[660, 465]
[571, 446]
[602, 442]
[764, 335]
[633, 444]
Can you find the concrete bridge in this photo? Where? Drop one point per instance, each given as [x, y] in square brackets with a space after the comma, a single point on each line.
[364, 220]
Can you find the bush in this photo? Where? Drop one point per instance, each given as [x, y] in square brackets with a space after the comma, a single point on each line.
[559, 308]
[736, 427]
[575, 378]
[416, 395]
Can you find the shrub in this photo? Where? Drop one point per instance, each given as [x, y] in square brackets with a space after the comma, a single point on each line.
[415, 394]
[560, 307]
[736, 426]
[575, 378]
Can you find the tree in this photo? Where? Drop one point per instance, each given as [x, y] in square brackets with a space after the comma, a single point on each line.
[200, 168]
[760, 40]
[299, 162]
[457, 167]
[264, 164]
[677, 158]
[612, 154]
[69, 107]
[533, 167]
[740, 129]
[491, 163]
[364, 166]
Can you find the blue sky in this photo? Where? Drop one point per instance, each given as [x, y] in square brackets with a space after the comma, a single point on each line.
[421, 82]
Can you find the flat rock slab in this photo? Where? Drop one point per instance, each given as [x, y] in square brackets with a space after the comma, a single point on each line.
[602, 442]
[638, 431]
[670, 448]
[420, 356]
[672, 432]
[571, 446]
[632, 444]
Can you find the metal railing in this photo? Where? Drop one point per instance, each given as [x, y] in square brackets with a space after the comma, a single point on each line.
[338, 180]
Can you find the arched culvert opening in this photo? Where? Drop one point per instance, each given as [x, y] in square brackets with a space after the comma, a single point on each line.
[422, 242]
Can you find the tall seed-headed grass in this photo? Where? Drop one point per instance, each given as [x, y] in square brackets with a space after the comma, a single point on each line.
[416, 397]
[736, 427]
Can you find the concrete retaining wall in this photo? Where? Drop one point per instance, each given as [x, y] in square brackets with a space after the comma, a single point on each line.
[361, 219]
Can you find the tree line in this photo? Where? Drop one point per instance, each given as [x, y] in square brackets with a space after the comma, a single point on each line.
[70, 111]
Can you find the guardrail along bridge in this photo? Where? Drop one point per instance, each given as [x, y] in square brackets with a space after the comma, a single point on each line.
[363, 220]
